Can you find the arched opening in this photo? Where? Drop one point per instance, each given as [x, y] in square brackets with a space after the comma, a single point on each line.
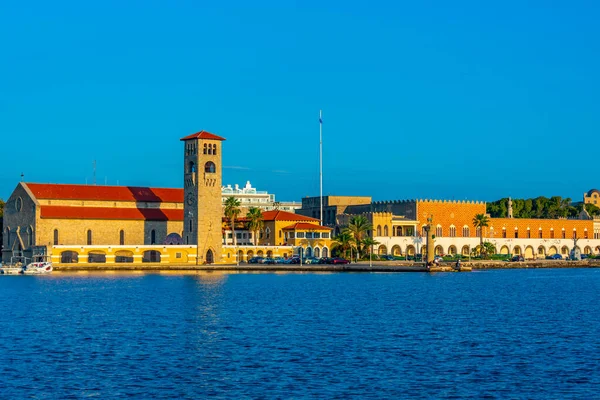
[191, 167]
[173, 239]
[466, 231]
[152, 236]
[209, 167]
[410, 250]
[399, 231]
[529, 252]
[240, 256]
[396, 250]
[151, 256]
[269, 253]
[122, 237]
[210, 258]
[382, 251]
[317, 252]
[30, 236]
[438, 251]
[325, 252]
[249, 254]
[259, 253]
[69, 257]
[123, 256]
[309, 252]
[55, 241]
[378, 230]
[517, 250]
[89, 237]
[541, 251]
[214, 149]
[385, 231]
[465, 250]
[552, 250]
[96, 257]
[597, 249]
[452, 250]
[504, 250]
[587, 250]
[300, 252]
[564, 250]
[438, 231]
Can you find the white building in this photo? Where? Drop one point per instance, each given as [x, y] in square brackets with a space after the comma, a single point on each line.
[250, 197]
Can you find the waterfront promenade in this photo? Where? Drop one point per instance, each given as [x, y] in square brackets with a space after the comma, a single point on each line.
[362, 266]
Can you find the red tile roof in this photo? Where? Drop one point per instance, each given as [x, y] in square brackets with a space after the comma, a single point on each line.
[203, 135]
[278, 215]
[106, 193]
[145, 214]
[306, 226]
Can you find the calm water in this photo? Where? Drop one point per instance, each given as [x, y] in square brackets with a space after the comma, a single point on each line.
[495, 334]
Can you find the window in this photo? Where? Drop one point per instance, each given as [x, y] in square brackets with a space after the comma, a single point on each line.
[238, 235]
[121, 237]
[385, 231]
[191, 225]
[205, 151]
[478, 231]
[209, 167]
[438, 231]
[299, 235]
[19, 204]
[378, 230]
[516, 233]
[466, 232]
[309, 235]
[528, 233]
[280, 233]
[452, 231]
[316, 235]
[585, 234]
[56, 237]
[325, 235]
[268, 232]
[574, 234]
[89, 237]
[564, 234]
[504, 233]
[191, 167]
[551, 233]
[214, 149]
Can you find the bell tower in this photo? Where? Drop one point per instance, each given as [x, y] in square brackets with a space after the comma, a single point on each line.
[202, 209]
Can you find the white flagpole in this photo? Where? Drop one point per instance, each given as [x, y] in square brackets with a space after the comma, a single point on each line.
[321, 161]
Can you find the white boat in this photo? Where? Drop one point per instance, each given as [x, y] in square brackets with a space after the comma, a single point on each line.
[15, 267]
[40, 266]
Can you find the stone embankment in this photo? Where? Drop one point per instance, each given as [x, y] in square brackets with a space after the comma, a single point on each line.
[363, 266]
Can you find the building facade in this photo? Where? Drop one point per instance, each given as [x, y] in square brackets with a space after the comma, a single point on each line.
[249, 197]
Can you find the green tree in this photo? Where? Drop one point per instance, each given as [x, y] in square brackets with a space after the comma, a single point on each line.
[255, 222]
[358, 227]
[368, 244]
[342, 243]
[232, 210]
[479, 222]
[592, 209]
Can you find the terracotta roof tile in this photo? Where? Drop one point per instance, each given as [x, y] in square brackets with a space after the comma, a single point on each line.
[202, 135]
[278, 215]
[106, 193]
[307, 226]
[145, 214]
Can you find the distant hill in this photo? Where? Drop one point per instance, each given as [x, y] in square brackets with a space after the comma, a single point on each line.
[540, 207]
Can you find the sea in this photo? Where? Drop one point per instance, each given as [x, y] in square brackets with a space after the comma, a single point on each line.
[515, 334]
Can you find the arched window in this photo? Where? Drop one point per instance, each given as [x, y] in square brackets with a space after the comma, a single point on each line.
[452, 231]
[191, 167]
[516, 233]
[317, 252]
[56, 237]
[528, 233]
[214, 149]
[121, 237]
[30, 236]
[204, 148]
[378, 230]
[504, 233]
[466, 232]
[478, 231]
[89, 237]
[152, 236]
[438, 231]
[209, 167]
[385, 231]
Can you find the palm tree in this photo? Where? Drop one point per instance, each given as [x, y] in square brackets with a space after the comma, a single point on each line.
[343, 242]
[479, 222]
[358, 226]
[232, 210]
[369, 243]
[255, 222]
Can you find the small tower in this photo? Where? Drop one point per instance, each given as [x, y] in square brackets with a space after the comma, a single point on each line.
[202, 195]
[510, 212]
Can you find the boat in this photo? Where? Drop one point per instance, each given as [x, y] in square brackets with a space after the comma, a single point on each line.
[14, 267]
[39, 265]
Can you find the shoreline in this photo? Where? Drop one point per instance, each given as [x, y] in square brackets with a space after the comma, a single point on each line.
[354, 267]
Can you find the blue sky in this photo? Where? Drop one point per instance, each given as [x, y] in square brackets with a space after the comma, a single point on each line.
[428, 99]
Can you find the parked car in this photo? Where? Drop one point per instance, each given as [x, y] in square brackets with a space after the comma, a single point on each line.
[311, 260]
[325, 260]
[255, 260]
[267, 260]
[293, 260]
[555, 256]
[388, 257]
[584, 256]
[517, 258]
[278, 260]
[338, 260]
